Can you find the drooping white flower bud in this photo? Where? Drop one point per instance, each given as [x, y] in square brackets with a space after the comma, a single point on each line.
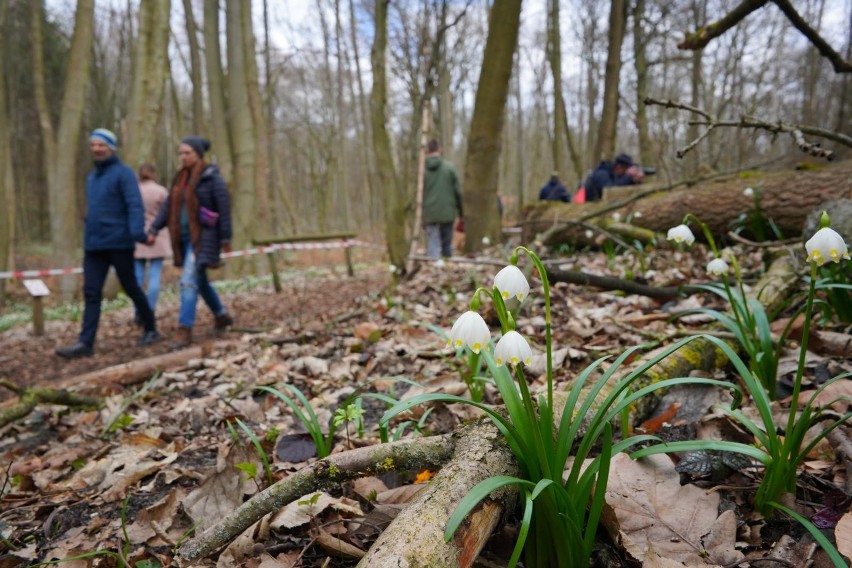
[717, 267]
[471, 330]
[681, 234]
[510, 281]
[513, 349]
[748, 192]
[826, 245]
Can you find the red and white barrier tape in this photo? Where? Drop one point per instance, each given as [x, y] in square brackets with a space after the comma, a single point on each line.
[344, 243]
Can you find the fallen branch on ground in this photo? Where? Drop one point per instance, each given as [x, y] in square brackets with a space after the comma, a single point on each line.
[29, 398]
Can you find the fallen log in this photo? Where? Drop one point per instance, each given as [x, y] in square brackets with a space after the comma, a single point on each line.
[29, 398]
[328, 473]
[786, 198]
[416, 536]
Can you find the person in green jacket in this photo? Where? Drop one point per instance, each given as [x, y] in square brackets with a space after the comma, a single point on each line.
[442, 202]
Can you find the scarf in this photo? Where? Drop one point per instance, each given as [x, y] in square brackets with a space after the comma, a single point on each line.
[184, 186]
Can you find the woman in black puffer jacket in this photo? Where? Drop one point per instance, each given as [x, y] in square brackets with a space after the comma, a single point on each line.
[198, 215]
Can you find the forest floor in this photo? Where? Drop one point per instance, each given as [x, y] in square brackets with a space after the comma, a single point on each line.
[157, 462]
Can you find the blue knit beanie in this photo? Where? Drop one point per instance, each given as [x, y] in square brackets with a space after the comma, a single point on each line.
[106, 136]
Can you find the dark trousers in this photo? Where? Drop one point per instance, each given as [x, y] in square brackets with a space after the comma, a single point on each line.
[95, 268]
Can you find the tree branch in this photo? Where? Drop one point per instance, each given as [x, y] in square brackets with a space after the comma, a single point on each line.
[840, 65]
[795, 130]
[705, 34]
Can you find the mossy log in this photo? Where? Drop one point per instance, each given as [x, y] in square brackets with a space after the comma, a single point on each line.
[324, 474]
[31, 397]
[415, 539]
[786, 198]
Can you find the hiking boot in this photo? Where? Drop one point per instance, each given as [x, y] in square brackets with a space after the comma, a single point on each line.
[149, 337]
[183, 338]
[75, 351]
[223, 321]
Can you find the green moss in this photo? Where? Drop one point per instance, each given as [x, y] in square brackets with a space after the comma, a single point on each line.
[749, 174]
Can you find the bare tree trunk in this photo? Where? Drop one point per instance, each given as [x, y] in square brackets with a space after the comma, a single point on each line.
[259, 122]
[150, 70]
[7, 179]
[561, 130]
[605, 147]
[242, 128]
[483, 151]
[222, 146]
[364, 125]
[199, 125]
[394, 203]
[640, 58]
[693, 159]
[61, 148]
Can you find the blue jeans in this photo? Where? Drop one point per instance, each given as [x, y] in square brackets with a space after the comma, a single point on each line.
[194, 282]
[439, 239]
[155, 269]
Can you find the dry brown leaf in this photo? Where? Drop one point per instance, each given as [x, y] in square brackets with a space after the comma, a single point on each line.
[398, 495]
[369, 487]
[219, 494]
[829, 395]
[647, 507]
[843, 535]
[301, 511]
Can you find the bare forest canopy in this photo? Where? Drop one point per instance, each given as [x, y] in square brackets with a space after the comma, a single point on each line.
[318, 110]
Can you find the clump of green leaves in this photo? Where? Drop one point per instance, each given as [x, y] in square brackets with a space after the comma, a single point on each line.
[560, 516]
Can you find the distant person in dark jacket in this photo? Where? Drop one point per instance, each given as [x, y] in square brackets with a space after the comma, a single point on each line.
[115, 222]
[553, 190]
[198, 215]
[442, 202]
[621, 171]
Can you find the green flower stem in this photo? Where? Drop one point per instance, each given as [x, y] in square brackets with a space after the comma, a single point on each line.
[705, 229]
[803, 353]
[547, 322]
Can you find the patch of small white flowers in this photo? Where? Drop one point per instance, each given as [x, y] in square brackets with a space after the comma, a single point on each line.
[471, 330]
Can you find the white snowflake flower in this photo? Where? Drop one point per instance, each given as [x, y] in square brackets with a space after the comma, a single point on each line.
[589, 234]
[826, 245]
[440, 263]
[513, 349]
[616, 216]
[486, 241]
[681, 234]
[637, 215]
[748, 192]
[717, 267]
[471, 330]
[392, 268]
[511, 282]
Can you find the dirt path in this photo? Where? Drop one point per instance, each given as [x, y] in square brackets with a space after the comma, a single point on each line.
[305, 303]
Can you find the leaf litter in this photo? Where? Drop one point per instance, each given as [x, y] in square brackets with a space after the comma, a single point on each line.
[175, 463]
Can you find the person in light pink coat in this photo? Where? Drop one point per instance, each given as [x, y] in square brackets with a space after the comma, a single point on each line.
[153, 196]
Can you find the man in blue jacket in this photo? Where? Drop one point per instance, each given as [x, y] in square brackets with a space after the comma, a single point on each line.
[114, 224]
[621, 171]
